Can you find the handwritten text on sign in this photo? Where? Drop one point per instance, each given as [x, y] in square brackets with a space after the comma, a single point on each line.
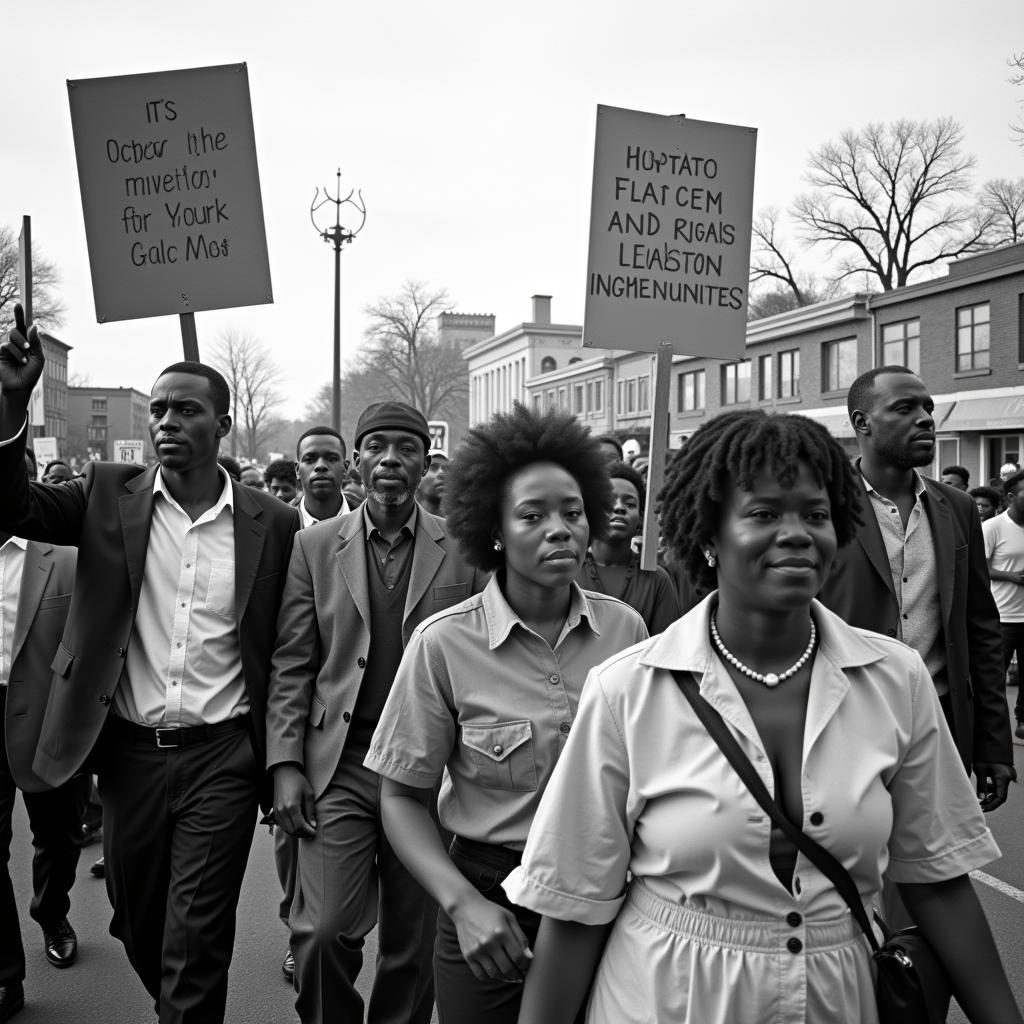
[171, 193]
[669, 234]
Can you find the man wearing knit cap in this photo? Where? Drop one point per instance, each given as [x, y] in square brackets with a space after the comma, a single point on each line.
[357, 587]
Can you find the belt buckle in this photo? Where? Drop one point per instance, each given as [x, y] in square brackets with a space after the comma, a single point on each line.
[168, 746]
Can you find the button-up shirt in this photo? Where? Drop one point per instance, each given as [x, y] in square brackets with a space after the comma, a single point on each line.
[184, 663]
[308, 519]
[481, 694]
[915, 581]
[390, 558]
[12, 564]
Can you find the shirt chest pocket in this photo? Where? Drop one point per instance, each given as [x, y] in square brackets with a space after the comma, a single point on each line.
[502, 755]
[220, 591]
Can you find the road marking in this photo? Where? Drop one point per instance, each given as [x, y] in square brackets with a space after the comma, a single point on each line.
[999, 885]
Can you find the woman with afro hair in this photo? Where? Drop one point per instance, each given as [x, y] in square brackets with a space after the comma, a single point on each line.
[665, 890]
[486, 694]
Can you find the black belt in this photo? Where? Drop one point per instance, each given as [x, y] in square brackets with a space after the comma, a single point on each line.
[495, 856]
[169, 738]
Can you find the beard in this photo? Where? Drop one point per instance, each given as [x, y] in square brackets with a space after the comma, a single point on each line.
[388, 498]
[903, 456]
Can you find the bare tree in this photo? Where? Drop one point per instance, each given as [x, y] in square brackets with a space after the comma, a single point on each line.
[772, 260]
[47, 308]
[404, 350]
[1016, 63]
[892, 200]
[255, 381]
[1003, 200]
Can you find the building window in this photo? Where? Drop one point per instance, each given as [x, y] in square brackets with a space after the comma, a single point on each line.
[789, 373]
[563, 399]
[631, 395]
[643, 385]
[538, 401]
[735, 383]
[549, 402]
[621, 397]
[972, 337]
[577, 399]
[547, 364]
[838, 364]
[99, 405]
[765, 385]
[901, 345]
[691, 391]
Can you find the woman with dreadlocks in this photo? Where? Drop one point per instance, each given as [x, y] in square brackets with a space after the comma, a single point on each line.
[663, 886]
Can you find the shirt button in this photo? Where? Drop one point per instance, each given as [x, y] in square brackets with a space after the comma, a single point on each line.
[564, 728]
[891, 632]
[121, 652]
[906, 579]
[188, 565]
[346, 717]
[361, 663]
[174, 682]
[905, 615]
[797, 886]
[794, 945]
[793, 919]
[104, 699]
[179, 643]
[182, 604]
[817, 818]
[497, 748]
[553, 679]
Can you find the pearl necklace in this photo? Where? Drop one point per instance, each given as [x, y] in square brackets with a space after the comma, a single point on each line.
[768, 678]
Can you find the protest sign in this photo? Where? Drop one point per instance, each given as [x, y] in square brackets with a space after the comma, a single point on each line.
[129, 451]
[45, 449]
[170, 192]
[438, 435]
[670, 216]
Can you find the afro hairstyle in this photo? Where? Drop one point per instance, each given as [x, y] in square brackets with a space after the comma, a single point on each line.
[508, 442]
[624, 471]
[730, 451]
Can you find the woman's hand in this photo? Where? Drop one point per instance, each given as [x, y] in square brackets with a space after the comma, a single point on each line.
[491, 940]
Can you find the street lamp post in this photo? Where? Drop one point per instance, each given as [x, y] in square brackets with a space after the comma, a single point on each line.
[337, 236]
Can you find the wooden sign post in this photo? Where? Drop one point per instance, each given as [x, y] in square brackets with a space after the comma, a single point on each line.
[669, 256]
[171, 194]
[25, 267]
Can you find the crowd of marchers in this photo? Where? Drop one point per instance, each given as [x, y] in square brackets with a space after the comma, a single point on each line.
[474, 721]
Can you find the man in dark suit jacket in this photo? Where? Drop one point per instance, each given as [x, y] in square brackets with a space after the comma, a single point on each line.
[357, 587]
[36, 580]
[160, 679]
[917, 571]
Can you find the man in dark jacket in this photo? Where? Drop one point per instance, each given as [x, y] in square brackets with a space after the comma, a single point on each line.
[917, 571]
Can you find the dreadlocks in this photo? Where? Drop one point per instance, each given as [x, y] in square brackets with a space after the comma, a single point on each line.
[729, 451]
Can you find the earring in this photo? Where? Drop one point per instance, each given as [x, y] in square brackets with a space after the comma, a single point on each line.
[497, 545]
[712, 561]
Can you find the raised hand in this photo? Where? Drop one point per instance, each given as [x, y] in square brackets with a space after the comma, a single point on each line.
[21, 359]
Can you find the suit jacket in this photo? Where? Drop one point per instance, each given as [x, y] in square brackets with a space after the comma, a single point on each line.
[323, 633]
[861, 591]
[43, 601]
[107, 515]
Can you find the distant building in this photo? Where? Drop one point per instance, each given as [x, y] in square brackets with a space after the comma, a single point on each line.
[97, 417]
[462, 330]
[55, 393]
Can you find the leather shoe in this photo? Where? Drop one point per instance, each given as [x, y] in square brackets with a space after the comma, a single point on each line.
[12, 999]
[288, 966]
[61, 943]
[98, 869]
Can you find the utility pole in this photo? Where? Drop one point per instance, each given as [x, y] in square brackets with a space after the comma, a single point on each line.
[337, 236]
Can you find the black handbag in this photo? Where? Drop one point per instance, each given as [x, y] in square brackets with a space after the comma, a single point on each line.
[910, 985]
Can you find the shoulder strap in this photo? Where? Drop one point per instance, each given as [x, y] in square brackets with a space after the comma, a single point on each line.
[813, 851]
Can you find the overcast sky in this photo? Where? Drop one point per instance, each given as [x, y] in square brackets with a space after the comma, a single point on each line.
[470, 131]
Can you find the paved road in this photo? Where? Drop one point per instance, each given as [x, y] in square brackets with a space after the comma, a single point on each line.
[101, 988]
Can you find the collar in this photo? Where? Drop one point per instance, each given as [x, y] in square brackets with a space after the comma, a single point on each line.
[308, 519]
[686, 644]
[409, 526]
[501, 618]
[225, 500]
[919, 487]
[18, 542]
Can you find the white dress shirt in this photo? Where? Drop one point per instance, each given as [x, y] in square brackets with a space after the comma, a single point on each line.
[308, 519]
[184, 664]
[12, 562]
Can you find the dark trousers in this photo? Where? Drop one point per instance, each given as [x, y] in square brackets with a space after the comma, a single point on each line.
[349, 878]
[462, 998]
[54, 818]
[177, 828]
[286, 855]
[1013, 643]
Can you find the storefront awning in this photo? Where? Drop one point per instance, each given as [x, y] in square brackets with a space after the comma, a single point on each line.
[984, 414]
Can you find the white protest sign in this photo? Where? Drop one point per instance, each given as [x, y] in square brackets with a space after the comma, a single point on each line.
[45, 449]
[670, 217]
[129, 451]
[170, 191]
[37, 408]
[438, 435]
